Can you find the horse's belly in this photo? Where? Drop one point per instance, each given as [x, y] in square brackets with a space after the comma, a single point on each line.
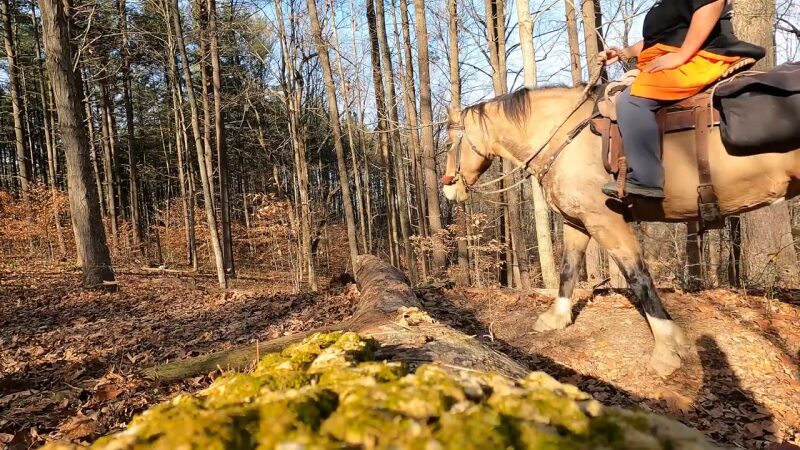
[741, 183]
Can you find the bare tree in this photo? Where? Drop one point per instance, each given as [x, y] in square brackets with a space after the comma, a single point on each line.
[23, 162]
[211, 219]
[333, 120]
[427, 144]
[67, 86]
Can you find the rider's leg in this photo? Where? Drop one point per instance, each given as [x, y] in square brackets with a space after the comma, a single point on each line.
[641, 138]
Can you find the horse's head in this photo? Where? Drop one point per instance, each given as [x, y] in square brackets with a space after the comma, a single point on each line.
[468, 156]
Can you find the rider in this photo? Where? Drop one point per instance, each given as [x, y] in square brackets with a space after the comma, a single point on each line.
[687, 46]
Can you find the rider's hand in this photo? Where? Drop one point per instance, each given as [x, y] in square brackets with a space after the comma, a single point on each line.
[612, 55]
[666, 62]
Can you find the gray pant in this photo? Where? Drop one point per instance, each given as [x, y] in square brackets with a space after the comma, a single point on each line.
[641, 137]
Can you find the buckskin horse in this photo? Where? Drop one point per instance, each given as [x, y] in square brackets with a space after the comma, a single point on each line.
[519, 125]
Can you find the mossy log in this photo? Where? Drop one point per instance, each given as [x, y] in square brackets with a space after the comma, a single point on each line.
[388, 312]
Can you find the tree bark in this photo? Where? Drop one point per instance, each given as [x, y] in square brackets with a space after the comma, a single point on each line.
[396, 155]
[23, 162]
[768, 258]
[427, 144]
[350, 133]
[544, 238]
[333, 120]
[44, 102]
[67, 85]
[222, 149]
[591, 33]
[574, 43]
[383, 128]
[211, 219]
[694, 267]
[455, 111]
[133, 177]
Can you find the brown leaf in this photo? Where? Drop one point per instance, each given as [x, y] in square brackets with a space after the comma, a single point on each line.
[676, 401]
[80, 427]
[107, 392]
[5, 438]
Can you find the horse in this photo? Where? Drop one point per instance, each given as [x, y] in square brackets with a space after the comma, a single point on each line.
[518, 125]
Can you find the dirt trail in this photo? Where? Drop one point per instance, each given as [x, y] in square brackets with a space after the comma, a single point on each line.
[739, 384]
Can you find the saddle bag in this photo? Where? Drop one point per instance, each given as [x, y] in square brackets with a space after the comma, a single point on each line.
[760, 113]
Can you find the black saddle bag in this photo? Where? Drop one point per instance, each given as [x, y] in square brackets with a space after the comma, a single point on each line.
[760, 113]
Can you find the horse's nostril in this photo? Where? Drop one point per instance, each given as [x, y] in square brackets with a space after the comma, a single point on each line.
[447, 180]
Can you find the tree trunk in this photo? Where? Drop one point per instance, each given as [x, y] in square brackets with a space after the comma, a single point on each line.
[396, 155]
[350, 133]
[544, 238]
[333, 119]
[574, 43]
[211, 219]
[410, 103]
[293, 90]
[694, 267]
[768, 258]
[427, 144]
[133, 178]
[49, 144]
[455, 111]
[205, 74]
[591, 33]
[222, 150]
[67, 85]
[23, 162]
[109, 161]
[383, 128]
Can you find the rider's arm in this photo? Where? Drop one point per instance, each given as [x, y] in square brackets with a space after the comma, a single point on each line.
[703, 22]
[633, 51]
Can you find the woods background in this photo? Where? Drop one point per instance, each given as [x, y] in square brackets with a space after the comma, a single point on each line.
[250, 137]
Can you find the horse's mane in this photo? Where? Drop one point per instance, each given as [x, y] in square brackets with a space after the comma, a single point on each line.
[516, 106]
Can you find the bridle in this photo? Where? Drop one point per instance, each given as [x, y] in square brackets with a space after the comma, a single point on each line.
[461, 135]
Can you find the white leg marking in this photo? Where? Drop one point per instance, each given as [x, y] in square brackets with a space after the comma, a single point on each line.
[668, 342]
[557, 317]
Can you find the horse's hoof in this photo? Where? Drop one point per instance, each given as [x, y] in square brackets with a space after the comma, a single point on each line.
[550, 321]
[665, 360]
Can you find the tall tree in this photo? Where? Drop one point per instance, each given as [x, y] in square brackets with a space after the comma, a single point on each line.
[133, 177]
[427, 144]
[67, 86]
[767, 257]
[573, 42]
[396, 156]
[23, 162]
[219, 134]
[211, 219]
[544, 237]
[333, 120]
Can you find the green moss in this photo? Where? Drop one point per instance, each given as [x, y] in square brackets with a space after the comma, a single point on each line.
[327, 392]
[475, 428]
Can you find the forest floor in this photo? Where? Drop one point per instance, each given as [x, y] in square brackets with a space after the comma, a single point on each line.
[69, 359]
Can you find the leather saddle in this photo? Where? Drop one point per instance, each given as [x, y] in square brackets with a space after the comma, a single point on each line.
[695, 113]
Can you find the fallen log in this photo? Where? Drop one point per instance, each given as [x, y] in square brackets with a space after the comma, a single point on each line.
[387, 311]
[372, 390]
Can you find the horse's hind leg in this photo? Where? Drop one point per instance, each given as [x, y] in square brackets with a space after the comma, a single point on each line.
[560, 313]
[616, 236]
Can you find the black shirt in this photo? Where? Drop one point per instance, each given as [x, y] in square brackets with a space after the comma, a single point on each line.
[668, 22]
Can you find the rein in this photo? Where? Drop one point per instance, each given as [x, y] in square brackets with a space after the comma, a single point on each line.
[524, 164]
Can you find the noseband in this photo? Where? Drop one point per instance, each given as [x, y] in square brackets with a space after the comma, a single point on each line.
[460, 136]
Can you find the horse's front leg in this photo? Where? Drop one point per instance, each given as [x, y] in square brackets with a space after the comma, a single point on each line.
[560, 313]
[617, 237]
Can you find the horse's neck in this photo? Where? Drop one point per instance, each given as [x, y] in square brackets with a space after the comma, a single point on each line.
[548, 109]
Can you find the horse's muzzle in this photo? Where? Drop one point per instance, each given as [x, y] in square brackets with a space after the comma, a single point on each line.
[448, 180]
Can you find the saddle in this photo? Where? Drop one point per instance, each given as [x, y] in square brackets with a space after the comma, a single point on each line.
[696, 113]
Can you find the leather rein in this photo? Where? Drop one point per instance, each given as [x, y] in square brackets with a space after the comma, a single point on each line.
[549, 157]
